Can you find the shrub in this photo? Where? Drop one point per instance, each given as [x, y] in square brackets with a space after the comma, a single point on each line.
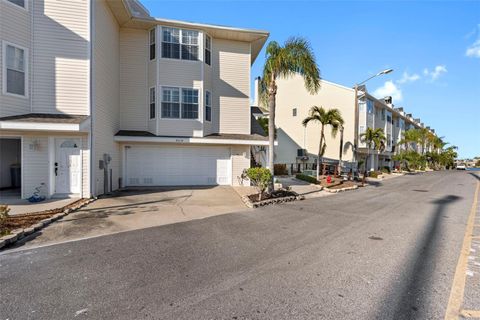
[375, 174]
[307, 178]
[386, 169]
[3, 213]
[280, 169]
[260, 178]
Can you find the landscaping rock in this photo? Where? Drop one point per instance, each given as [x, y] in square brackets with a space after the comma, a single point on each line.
[10, 238]
[28, 231]
[37, 226]
[3, 243]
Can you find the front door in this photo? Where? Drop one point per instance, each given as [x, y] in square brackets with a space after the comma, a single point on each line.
[67, 166]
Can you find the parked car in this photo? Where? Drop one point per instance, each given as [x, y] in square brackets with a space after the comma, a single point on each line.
[461, 166]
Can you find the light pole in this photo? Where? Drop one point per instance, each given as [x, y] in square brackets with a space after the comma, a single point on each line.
[355, 144]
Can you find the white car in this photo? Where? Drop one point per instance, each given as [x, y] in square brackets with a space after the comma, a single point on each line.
[461, 167]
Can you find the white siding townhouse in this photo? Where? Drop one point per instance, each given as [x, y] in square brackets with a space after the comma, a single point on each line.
[97, 95]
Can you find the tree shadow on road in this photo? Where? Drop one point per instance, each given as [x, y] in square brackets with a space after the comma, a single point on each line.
[409, 294]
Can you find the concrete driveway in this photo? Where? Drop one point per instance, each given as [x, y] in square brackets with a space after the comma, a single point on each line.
[140, 208]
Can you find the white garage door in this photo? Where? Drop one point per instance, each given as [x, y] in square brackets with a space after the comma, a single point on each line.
[177, 165]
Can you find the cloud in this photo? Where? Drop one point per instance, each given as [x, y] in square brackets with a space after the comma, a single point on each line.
[389, 89]
[408, 78]
[436, 72]
[473, 50]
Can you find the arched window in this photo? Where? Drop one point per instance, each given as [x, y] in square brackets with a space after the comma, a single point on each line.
[69, 144]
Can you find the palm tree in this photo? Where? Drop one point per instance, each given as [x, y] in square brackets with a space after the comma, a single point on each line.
[294, 57]
[375, 138]
[332, 117]
[409, 137]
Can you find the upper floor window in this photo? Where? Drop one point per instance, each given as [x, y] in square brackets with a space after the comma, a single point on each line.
[15, 78]
[370, 106]
[189, 104]
[208, 106]
[153, 109]
[383, 114]
[179, 44]
[208, 50]
[152, 44]
[179, 103]
[389, 119]
[294, 112]
[20, 3]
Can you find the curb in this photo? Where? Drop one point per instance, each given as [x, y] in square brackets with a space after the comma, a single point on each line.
[340, 190]
[19, 234]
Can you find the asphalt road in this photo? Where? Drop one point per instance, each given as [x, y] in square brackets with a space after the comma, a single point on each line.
[382, 252]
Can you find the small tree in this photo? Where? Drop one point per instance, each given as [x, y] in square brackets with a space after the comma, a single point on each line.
[260, 178]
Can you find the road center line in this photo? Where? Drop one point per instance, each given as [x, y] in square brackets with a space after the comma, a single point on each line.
[458, 287]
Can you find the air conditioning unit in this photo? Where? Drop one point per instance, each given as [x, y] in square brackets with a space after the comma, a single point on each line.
[301, 152]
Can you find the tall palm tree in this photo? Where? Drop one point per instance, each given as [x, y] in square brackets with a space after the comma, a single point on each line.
[333, 118]
[409, 137]
[375, 138]
[294, 57]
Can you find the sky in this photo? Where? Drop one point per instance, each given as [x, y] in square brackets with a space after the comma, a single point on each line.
[433, 47]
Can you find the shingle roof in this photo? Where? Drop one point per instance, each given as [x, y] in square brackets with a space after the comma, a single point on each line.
[47, 117]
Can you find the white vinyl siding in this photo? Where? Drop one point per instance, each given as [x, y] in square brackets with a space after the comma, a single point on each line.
[134, 89]
[106, 83]
[35, 168]
[240, 162]
[231, 85]
[61, 41]
[20, 35]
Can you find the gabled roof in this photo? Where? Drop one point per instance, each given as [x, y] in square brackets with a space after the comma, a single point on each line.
[132, 14]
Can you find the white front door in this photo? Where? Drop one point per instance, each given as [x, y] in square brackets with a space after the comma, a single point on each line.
[67, 166]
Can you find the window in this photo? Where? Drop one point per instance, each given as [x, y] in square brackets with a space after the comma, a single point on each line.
[361, 106]
[397, 123]
[170, 103]
[389, 119]
[179, 44]
[208, 106]
[152, 44]
[294, 112]
[208, 50]
[153, 110]
[15, 70]
[189, 45]
[383, 114]
[370, 106]
[179, 103]
[20, 3]
[171, 43]
[189, 104]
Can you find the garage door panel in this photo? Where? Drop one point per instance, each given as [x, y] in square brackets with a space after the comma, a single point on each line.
[175, 166]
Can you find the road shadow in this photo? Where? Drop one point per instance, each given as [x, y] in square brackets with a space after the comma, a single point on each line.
[408, 294]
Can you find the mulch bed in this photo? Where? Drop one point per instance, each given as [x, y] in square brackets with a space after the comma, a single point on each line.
[22, 221]
[274, 195]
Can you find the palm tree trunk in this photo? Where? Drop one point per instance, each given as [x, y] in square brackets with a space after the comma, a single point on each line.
[320, 153]
[366, 164]
[271, 131]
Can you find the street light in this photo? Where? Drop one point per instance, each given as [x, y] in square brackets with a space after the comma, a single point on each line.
[355, 144]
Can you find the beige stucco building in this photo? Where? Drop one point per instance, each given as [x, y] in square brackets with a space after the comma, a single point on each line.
[97, 95]
[298, 144]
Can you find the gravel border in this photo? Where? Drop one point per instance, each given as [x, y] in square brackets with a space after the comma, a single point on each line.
[267, 202]
[19, 234]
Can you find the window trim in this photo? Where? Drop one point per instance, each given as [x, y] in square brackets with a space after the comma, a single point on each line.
[154, 43]
[150, 103]
[4, 70]
[199, 117]
[180, 43]
[17, 6]
[209, 106]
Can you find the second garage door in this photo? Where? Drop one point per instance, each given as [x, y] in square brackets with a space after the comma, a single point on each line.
[177, 165]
